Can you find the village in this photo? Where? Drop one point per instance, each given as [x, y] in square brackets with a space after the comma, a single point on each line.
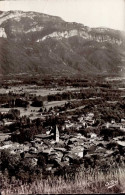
[60, 136]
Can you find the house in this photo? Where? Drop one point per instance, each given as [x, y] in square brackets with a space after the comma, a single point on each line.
[37, 141]
[68, 125]
[33, 150]
[81, 119]
[78, 151]
[6, 122]
[70, 157]
[89, 119]
[112, 121]
[59, 154]
[123, 120]
[93, 135]
[121, 143]
[1, 123]
[100, 150]
[47, 151]
[49, 167]
[55, 155]
[4, 136]
[80, 136]
[122, 126]
[58, 163]
[119, 138]
[72, 140]
[28, 155]
[43, 136]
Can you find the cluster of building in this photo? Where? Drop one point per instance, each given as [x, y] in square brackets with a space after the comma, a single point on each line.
[60, 148]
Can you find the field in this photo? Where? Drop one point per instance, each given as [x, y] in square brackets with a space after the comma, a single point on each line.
[32, 112]
[33, 89]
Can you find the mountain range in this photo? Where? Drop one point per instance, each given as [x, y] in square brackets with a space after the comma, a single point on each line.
[32, 42]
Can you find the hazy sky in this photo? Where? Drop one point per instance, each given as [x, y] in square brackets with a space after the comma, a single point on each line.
[93, 13]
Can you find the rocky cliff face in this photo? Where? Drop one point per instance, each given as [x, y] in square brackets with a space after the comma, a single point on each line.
[36, 42]
[85, 35]
[2, 33]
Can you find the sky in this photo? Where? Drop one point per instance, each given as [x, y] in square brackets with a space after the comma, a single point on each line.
[92, 13]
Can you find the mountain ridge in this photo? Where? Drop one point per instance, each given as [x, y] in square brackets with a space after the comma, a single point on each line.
[36, 42]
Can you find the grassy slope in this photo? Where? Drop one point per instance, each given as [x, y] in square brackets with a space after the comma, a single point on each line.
[92, 183]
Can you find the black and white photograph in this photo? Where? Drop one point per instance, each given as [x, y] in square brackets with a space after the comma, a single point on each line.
[62, 97]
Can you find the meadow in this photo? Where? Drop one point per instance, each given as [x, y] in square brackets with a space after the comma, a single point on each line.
[94, 182]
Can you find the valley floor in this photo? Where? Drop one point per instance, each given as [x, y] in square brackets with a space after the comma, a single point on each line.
[64, 136]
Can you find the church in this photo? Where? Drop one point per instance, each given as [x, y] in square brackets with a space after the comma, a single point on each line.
[56, 134]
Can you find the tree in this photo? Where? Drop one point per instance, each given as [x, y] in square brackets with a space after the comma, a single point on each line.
[37, 103]
[14, 113]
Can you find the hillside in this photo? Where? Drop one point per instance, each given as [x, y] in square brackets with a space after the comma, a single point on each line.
[32, 42]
